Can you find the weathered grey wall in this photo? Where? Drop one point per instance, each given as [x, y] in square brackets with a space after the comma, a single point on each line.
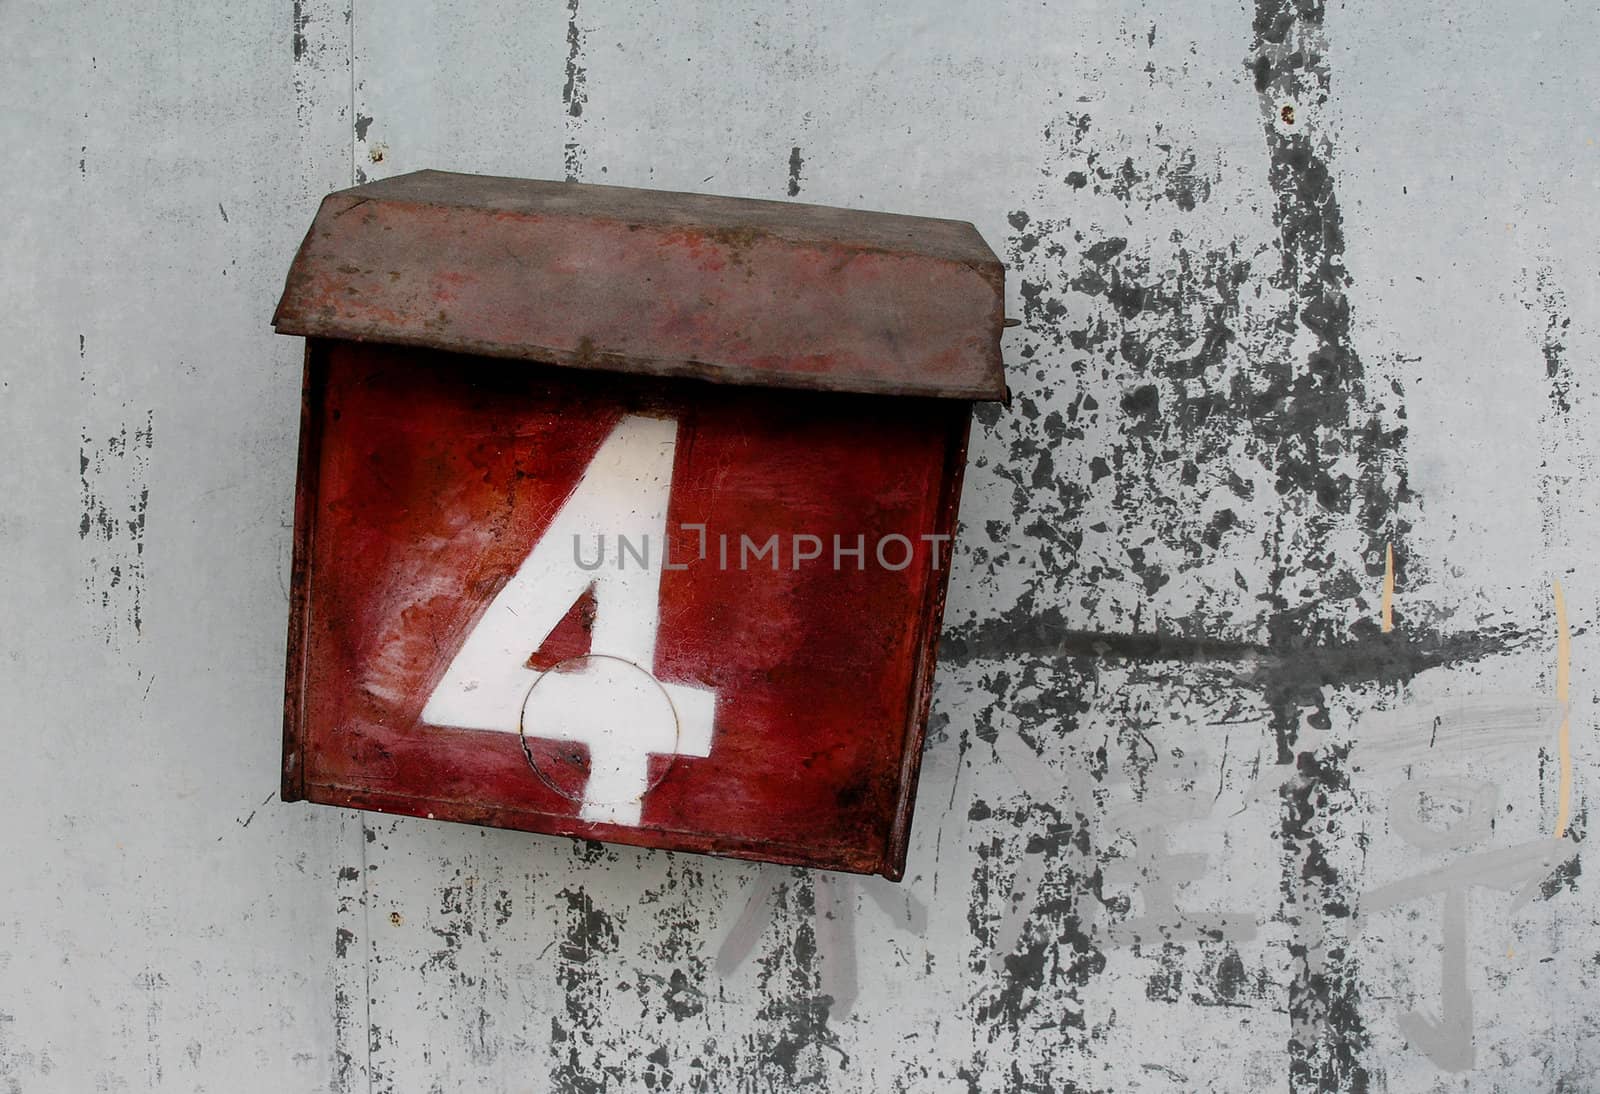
[1299, 282]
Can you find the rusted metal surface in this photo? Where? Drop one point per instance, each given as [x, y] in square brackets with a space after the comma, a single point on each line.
[598, 277]
[429, 477]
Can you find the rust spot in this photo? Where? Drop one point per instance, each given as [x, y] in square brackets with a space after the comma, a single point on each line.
[1287, 113]
[396, 918]
[376, 155]
[735, 240]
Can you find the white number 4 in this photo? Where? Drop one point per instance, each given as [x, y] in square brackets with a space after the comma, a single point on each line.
[610, 701]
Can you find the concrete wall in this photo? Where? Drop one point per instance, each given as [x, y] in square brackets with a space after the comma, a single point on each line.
[1299, 283]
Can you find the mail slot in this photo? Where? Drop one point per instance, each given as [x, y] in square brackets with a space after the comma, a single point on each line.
[628, 515]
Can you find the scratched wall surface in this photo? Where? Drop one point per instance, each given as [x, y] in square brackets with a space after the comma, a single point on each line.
[1309, 310]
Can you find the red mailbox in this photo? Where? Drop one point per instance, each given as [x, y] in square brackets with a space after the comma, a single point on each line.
[626, 515]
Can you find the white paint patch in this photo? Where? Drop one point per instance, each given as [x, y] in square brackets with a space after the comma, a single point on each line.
[610, 701]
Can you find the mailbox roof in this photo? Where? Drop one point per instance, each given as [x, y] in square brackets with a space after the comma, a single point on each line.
[732, 290]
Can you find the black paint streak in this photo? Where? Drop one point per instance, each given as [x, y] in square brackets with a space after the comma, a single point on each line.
[1294, 669]
[793, 1031]
[1047, 634]
[1553, 347]
[574, 94]
[678, 943]
[1057, 950]
[795, 163]
[591, 933]
[1036, 890]
[113, 483]
[298, 38]
[1308, 410]
[352, 997]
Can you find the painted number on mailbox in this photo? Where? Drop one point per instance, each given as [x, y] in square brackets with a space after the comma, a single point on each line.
[610, 700]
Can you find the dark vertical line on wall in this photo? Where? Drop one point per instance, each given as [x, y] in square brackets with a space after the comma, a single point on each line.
[1331, 409]
[591, 934]
[350, 19]
[114, 490]
[1552, 309]
[366, 919]
[574, 94]
[297, 45]
[795, 164]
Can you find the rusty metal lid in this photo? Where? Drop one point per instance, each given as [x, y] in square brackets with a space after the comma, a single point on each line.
[642, 281]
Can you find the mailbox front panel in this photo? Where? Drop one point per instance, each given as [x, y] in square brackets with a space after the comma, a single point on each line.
[615, 607]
